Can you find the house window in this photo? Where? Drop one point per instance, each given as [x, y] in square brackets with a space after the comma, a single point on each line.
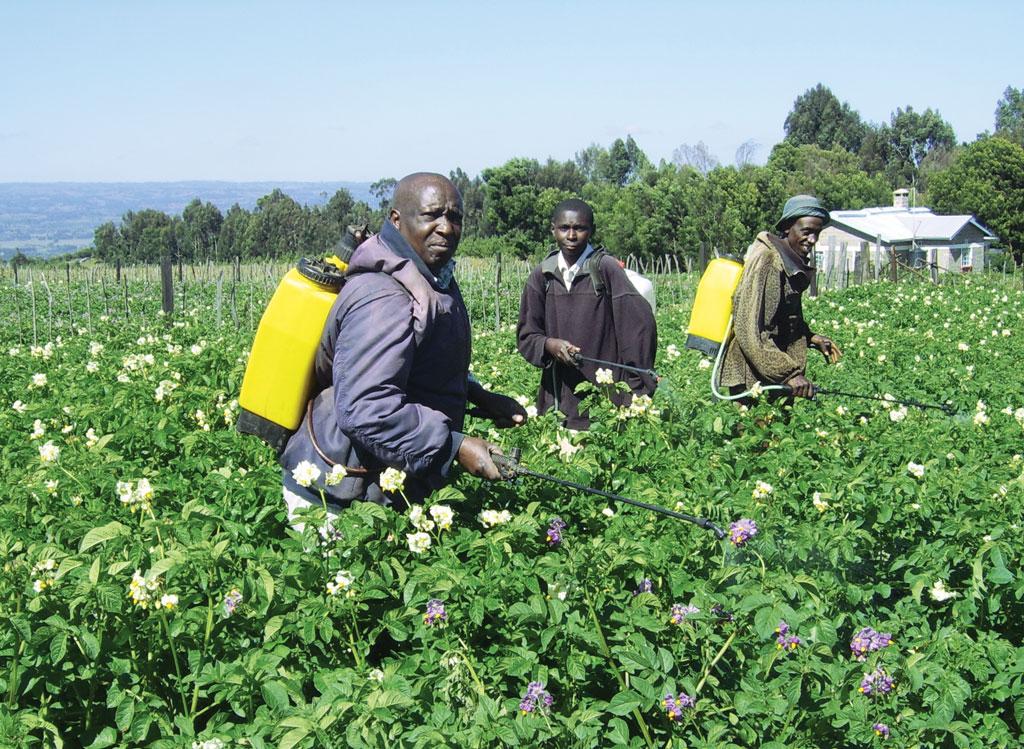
[966, 259]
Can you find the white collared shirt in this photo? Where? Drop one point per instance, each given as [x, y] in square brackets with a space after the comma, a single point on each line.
[569, 271]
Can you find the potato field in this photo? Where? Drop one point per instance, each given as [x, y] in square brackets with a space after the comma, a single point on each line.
[868, 591]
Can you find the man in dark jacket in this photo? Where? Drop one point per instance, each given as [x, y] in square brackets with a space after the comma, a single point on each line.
[393, 366]
[580, 301]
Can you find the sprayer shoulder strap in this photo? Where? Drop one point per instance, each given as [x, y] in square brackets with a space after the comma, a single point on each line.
[593, 264]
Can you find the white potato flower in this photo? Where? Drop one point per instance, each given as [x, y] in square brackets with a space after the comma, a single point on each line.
[419, 542]
[443, 516]
[392, 480]
[49, 452]
[938, 592]
[419, 519]
[305, 473]
[336, 474]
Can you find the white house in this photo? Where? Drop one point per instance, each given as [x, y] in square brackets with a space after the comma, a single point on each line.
[862, 241]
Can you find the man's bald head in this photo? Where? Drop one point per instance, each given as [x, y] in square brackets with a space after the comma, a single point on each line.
[409, 189]
[427, 210]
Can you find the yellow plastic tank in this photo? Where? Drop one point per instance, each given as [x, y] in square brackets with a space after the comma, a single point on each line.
[712, 307]
[279, 375]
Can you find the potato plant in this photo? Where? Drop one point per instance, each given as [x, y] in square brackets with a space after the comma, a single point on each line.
[868, 591]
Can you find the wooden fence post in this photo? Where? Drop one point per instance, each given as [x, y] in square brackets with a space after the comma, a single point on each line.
[497, 296]
[166, 286]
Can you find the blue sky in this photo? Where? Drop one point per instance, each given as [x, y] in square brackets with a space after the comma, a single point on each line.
[138, 91]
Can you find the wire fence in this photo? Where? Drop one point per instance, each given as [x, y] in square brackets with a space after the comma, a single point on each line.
[45, 301]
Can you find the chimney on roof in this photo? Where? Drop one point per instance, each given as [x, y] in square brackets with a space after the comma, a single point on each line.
[901, 198]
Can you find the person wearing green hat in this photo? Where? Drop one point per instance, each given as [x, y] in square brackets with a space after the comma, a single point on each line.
[770, 336]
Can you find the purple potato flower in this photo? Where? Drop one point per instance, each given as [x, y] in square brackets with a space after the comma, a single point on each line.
[556, 526]
[785, 641]
[435, 613]
[645, 586]
[722, 614]
[536, 696]
[876, 683]
[680, 612]
[881, 729]
[231, 601]
[868, 641]
[674, 706]
[742, 531]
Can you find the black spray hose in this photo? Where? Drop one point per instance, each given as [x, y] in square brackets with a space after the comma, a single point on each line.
[949, 410]
[639, 370]
[510, 468]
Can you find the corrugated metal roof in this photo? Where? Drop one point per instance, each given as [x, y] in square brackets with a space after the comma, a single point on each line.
[895, 225]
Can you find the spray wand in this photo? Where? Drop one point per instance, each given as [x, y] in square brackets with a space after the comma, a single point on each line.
[945, 408]
[510, 469]
[577, 358]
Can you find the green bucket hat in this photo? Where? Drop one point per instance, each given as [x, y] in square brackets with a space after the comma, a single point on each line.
[799, 206]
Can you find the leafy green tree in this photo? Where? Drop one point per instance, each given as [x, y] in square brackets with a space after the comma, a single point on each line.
[1010, 115]
[626, 162]
[231, 242]
[516, 195]
[107, 242]
[833, 176]
[474, 223]
[987, 180]
[199, 228]
[592, 161]
[382, 190]
[277, 227]
[909, 138]
[146, 236]
[646, 218]
[819, 119]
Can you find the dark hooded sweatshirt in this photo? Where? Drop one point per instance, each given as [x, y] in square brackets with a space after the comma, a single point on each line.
[615, 325]
[391, 372]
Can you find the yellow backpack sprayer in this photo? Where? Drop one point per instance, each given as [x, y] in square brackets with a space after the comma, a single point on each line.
[711, 326]
[278, 379]
[711, 318]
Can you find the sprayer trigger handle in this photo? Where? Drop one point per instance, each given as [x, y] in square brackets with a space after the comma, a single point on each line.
[507, 464]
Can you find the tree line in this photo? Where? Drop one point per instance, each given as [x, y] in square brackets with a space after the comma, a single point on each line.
[642, 208]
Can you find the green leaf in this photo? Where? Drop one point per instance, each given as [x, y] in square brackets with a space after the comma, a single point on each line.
[624, 702]
[618, 732]
[106, 738]
[268, 582]
[58, 647]
[90, 643]
[297, 721]
[101, 535]
[275, 695]
[292, 738]
[272, 627]
[125, 714]
[387, 698]
[163, 566]
[94, 571]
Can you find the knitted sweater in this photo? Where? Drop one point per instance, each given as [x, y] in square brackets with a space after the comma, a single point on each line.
[770, 336]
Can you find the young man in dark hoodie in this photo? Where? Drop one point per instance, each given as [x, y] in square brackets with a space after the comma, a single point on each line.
[393, 366]
[580, 301]
[770, 336]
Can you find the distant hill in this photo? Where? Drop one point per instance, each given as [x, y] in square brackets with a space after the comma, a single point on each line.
[51, 218]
